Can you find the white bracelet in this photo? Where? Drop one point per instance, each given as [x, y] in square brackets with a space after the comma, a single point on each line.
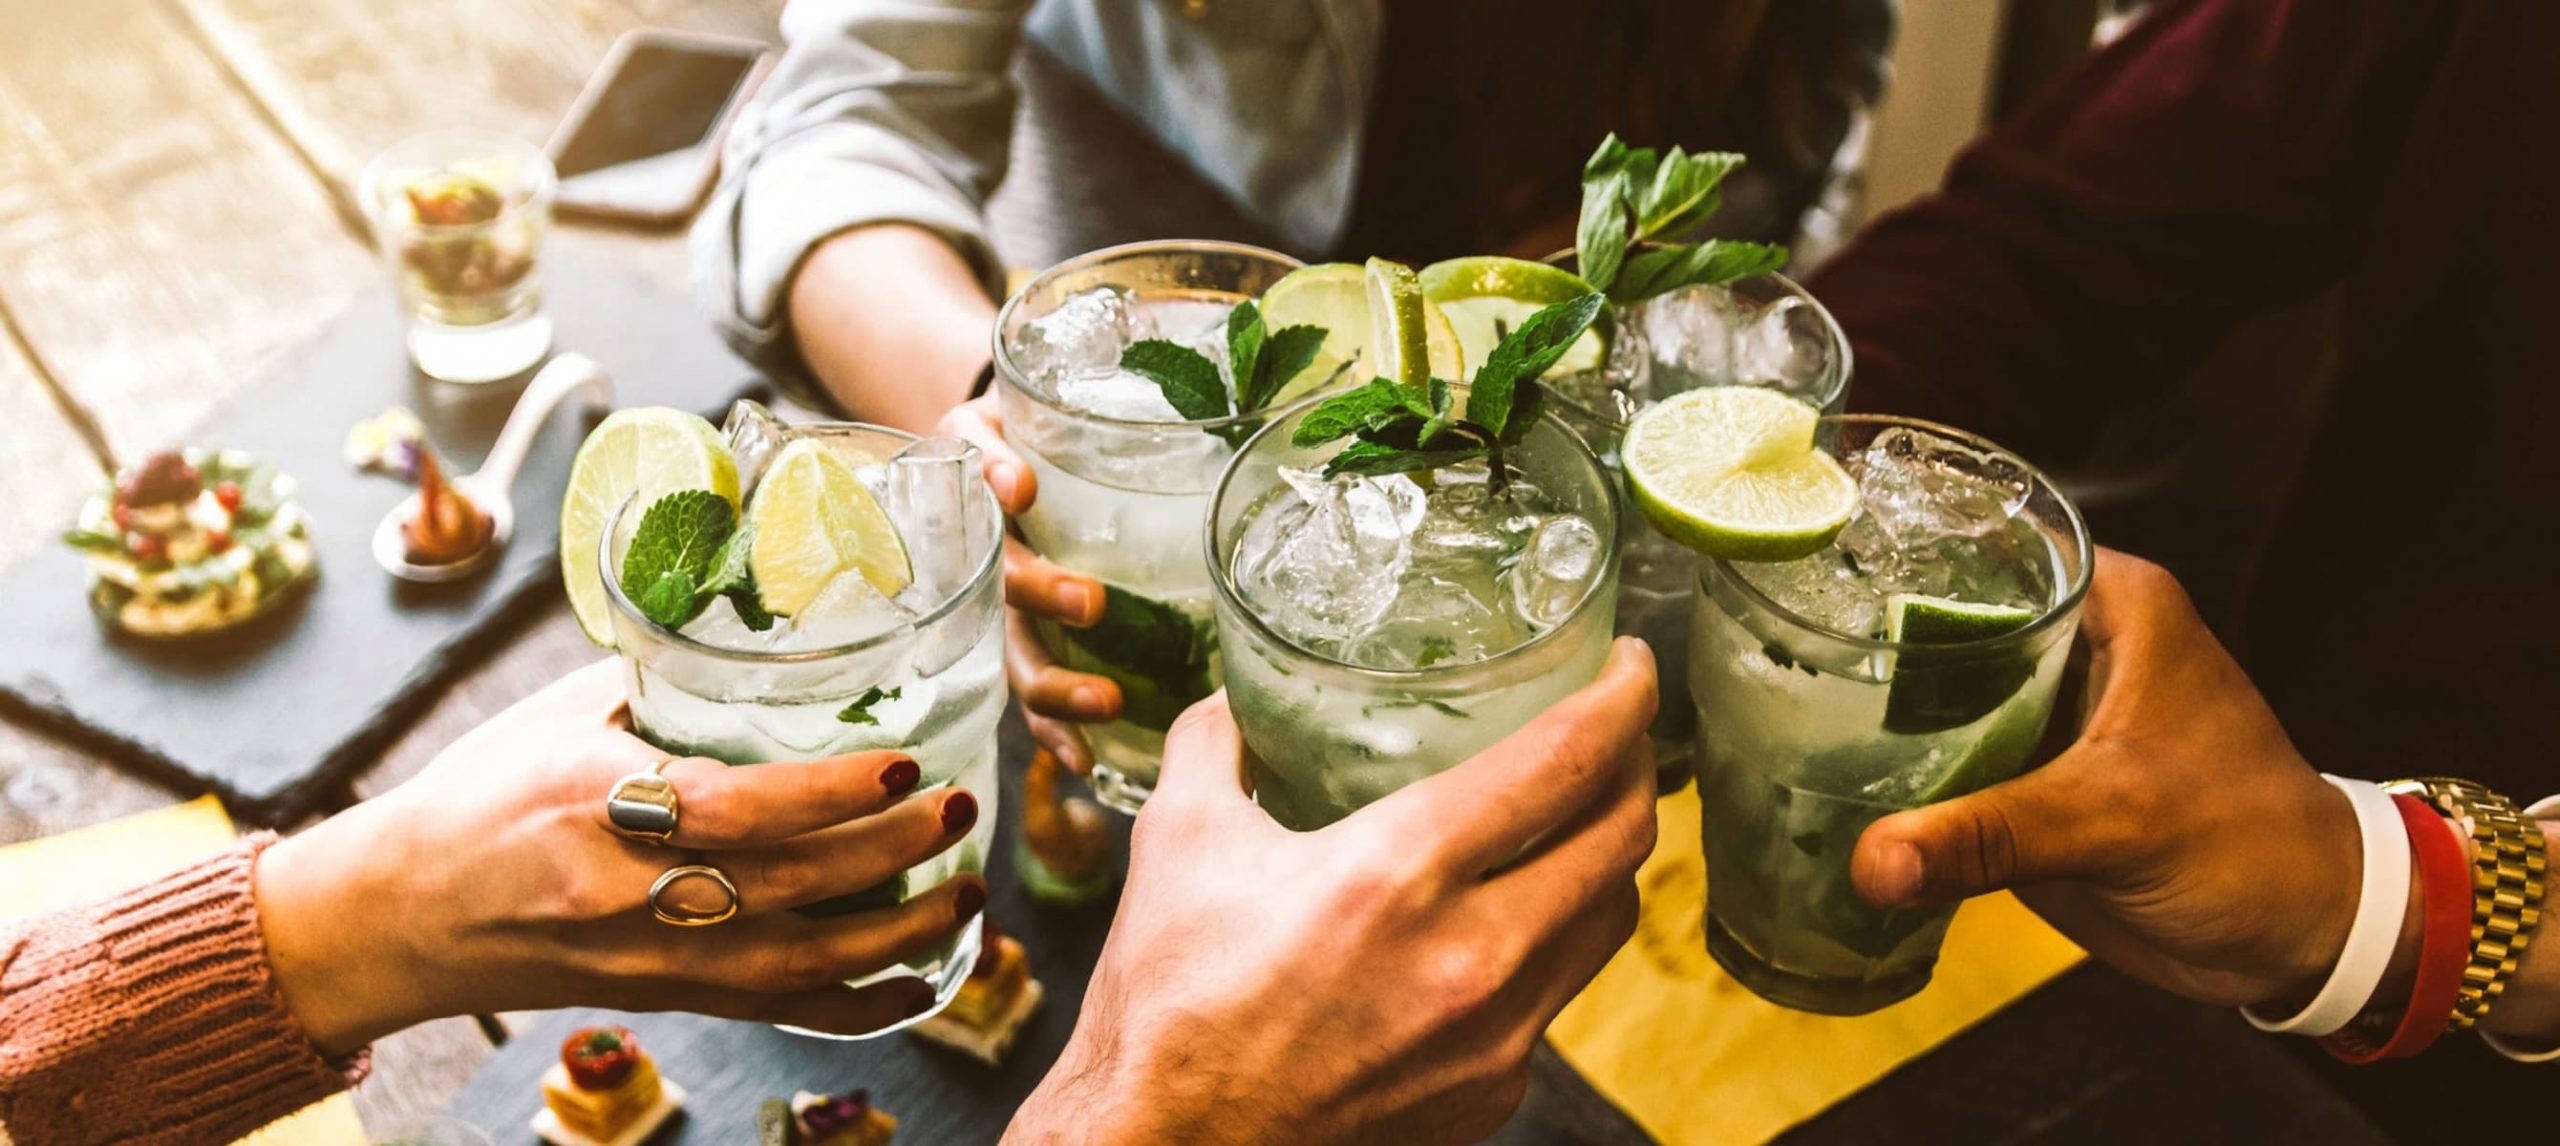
[2547, 806]
[2381, 907]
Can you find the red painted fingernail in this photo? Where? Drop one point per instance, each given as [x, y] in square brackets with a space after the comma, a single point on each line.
[959, 811]
[900, 777]
[969, 900]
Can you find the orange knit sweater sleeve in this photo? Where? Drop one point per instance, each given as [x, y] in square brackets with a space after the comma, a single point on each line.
[151, 1017]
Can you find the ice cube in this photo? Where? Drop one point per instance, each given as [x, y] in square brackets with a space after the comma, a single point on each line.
[1554, 570]
[755, 435]
[1116, 393]
[1465, 516]
[1689, 338]
[848, 611]
[719, 626]
[1325, 565]
[1083, 334]
[1787, 346]
[1842, 595]
[1435, 622]
[1919, 486]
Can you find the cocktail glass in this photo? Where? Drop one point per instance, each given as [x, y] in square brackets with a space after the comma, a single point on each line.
[1122, 495]
[1818, 724]
[1759, 331]
[1329, 729]
[460, 217]
[922, 673]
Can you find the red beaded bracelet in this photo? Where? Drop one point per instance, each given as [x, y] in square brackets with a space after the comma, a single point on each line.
[2444, 941]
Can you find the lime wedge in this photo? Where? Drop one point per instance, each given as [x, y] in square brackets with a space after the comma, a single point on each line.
[1732, 472]
[1335, 296]
[814, 519]
[1399, 343]
[1921, 620]
[1934, 691]
[637, 456]
[1486, 296]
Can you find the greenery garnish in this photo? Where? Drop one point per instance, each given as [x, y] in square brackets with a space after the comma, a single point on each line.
[1396, 429]
[1260, 359]
[1631, 195]
[688, 548]
[859, 712]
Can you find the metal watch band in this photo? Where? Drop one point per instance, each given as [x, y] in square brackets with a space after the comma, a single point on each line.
[2507, 873]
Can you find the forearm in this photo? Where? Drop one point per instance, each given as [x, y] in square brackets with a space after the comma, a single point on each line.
[893, 323]
[153, 1017]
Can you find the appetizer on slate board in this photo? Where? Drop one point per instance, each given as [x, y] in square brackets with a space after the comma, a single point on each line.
[190, 542]
[604, 1091]
[994, 1001]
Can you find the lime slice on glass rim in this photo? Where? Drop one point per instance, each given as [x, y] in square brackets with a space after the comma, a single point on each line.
[1732, 472]
[634, 456]
[813, 519]
[1338, 297]
[1486, 296]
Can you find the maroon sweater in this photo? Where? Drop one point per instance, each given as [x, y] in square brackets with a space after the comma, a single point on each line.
[2229, 157]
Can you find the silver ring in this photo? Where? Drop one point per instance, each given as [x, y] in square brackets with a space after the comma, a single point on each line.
[679, 874]
[643, 805]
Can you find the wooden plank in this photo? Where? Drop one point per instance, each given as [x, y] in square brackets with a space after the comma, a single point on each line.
[417, 1073]
[45, 468]
[48, 786]
[158, 241]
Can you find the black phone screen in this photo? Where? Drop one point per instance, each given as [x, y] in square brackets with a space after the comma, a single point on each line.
[665, 99]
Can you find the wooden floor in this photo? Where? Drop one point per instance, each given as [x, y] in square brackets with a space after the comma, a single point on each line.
[174, 214]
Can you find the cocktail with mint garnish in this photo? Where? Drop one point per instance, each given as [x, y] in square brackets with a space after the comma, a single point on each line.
[853, 605]
[1127, 378]
[1872, 633]
[1408, 573]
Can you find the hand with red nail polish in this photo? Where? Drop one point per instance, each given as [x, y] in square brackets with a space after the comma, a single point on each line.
[1382, 979]
[1055, 699]
[491, 882]
[2179, 837]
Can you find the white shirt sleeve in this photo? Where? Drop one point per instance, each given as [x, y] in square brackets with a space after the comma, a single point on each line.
[879, 111]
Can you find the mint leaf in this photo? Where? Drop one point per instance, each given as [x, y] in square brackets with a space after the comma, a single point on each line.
[1666, 269]
[676, 543]
[1523, 355]
[733, 577]
[1245, 335]
[859, 712]
[1528, 402]
[1440, 419]
[1285, 354]
[1346, 413]
[1435, 648]
[1189, 380]
[668, 599]
[1679, 192]
[1600, 236]
[1373, 459]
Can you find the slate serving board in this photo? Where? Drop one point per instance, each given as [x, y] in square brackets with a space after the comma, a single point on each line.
[939, 1096]
[272, 715]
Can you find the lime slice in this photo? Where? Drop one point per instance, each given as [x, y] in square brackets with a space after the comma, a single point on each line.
[1934, 691]
[1335, 296]
[1486, 296]
[814, 519]
[1732, 472]
[1399, 343]
[637, 456]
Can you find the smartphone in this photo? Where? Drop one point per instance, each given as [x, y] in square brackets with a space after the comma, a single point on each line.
[643, 141]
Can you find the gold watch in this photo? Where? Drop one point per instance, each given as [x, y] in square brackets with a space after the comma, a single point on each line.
[2507, 867]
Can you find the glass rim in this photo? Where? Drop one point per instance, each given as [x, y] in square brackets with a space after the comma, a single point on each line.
[607, 565]
[537, 190]
[2068, 605]
[1010, 377]
[1610, 530]
[1838, 375]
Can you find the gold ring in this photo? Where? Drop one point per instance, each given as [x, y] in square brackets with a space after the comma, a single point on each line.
[643, 805]
[679, 874]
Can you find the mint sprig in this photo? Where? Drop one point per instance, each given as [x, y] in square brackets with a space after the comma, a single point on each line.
[859, 712]
[1261, 361]
[1631, 195]
[1395, 429]
[672, 552]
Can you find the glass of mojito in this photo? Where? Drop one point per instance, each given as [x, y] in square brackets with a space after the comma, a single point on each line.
[1124, 476]
[854, 605]
[1379, 629]
[1911, 658]
[460, 217]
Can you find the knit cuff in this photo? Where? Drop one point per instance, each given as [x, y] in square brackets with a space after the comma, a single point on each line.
[153, 1016]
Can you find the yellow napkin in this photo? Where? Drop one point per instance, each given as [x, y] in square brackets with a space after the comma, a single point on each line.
[1693, 1057]
[58, 871]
